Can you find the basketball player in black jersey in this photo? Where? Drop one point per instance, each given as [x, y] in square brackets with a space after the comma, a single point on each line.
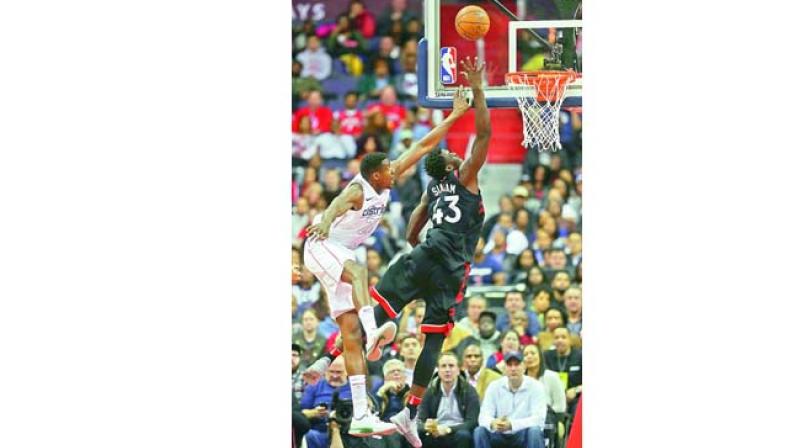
[436, 270]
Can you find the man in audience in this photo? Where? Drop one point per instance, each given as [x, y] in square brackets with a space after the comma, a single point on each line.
[297, 370]
[567, 362]
[351, 118]
[316, 61]
[513, 411]
[477, 375]
[449, 409]
[321, 117]
[309, 339]
[475, 306]
[409, 351]
[488, 337]
[515, 301]
[317, 401]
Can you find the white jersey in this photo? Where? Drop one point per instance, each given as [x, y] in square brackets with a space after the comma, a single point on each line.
[355, 226]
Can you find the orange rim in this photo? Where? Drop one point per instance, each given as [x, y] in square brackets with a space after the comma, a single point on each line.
[550, 84]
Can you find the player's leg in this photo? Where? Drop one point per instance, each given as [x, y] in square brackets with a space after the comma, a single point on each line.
[440, 296]
[364, 423]
[399, 285]
[356, 275]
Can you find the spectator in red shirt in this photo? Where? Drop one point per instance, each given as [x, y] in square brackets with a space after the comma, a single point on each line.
[321, 117]
[363, 20]
[395, 113]
[350, 118]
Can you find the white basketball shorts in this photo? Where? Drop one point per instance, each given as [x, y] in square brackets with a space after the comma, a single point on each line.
[325, 259]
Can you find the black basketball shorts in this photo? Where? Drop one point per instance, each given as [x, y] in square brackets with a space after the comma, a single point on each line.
[421, 275]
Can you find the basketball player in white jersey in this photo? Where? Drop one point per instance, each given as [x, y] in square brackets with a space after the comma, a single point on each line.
[329, 254]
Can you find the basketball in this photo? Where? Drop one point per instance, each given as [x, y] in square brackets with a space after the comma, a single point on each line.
[472, 22]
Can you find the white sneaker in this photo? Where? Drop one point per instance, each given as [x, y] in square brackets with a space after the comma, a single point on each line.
[315, 371]
[370, 425]
[381, 336]
[407, 427]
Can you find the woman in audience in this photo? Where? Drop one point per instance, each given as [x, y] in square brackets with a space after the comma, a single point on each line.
[509, 342]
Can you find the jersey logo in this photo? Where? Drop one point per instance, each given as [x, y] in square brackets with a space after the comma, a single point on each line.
[375, 210]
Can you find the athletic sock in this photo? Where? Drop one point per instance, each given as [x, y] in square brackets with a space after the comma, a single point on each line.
[367, 317]
[358, 389]
[413, 403]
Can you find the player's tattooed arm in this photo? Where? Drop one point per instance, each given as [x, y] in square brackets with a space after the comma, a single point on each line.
[417, 221]
[468, 172]
[352, 198]
[431, 139]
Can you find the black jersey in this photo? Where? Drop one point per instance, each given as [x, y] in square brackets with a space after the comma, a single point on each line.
[457, 217]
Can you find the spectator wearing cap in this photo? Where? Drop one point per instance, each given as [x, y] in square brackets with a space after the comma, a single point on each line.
[514, 410]
[297, 370]
[449, 409]
[477, 375]
[488, 337]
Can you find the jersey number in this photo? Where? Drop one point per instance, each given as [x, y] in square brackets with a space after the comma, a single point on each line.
[438, 214]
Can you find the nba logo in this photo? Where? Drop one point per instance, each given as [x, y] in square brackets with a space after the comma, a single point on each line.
[448, 72]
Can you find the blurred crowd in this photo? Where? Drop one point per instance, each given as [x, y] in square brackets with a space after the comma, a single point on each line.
[354, 92]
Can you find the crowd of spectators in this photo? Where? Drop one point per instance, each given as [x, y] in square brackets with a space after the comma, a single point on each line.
[518, 331]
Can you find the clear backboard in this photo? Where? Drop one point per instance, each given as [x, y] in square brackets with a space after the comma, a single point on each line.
[547, 36]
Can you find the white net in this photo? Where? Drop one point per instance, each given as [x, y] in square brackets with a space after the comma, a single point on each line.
[539, 96]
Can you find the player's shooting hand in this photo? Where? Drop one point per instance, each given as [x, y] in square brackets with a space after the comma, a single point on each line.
[460, 102]
[473, 71]
[320, 230]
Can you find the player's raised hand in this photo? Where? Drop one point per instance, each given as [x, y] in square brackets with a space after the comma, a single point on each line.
[319, 230]
[460, 102]
[473, 71]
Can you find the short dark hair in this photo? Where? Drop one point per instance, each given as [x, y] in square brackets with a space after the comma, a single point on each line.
[436, 165]
[471, 344]
[371, 163]
[560, 311]
[351, 92]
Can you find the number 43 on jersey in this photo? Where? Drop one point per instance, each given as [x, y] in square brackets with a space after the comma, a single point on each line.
[438, 214]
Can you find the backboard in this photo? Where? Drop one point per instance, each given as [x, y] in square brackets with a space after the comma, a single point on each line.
[548, 38]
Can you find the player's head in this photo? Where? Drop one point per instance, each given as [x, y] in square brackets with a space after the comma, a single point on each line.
[440, 162]
[375, 168]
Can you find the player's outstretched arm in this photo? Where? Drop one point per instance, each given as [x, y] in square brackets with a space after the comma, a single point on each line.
[351, 198]
[432, 138]
[468, 173]
[417, 221]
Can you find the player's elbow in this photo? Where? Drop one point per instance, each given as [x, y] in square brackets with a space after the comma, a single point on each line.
[483, 133]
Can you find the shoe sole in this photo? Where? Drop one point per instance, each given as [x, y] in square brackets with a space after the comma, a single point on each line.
[375, 353]
[368, 433]
[405, 434]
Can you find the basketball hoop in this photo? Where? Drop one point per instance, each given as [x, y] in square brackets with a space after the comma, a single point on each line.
[539, 96]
